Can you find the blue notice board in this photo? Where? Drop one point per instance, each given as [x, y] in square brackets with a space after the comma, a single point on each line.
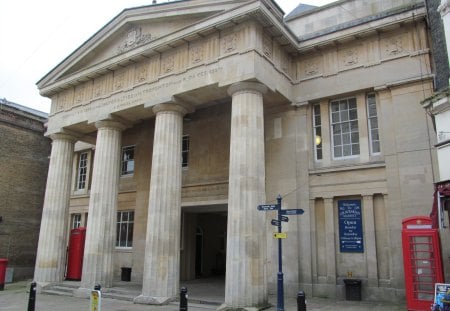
[350, 226]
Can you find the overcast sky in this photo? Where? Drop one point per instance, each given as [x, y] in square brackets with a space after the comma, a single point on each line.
[36, 36]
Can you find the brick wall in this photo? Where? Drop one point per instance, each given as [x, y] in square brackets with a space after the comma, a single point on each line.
[24, 157]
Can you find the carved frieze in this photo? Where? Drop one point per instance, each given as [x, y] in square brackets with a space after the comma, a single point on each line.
[267, 46]
[80, 94]
[141, 72]
[120, 79]
[133, 38]
[65, 99]
[311, 67]
[196, 53]
[285, 63]
[350, 57]
[168, 63]
[99, 86]
[229, 43]
[394, 45]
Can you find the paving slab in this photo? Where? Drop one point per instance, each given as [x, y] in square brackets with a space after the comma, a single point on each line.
[15, 298]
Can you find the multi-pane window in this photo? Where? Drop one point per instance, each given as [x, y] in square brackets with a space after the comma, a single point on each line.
[128, 160]
[75, 221]
[344, 128]
[125, 224]
[372, 121]
[82, 171]
[317, 124]
[185, 151]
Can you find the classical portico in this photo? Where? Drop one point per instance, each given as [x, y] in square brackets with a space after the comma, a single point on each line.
[211, 107]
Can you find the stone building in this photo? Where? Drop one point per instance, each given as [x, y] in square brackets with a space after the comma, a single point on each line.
[24, 153]
[174, 121]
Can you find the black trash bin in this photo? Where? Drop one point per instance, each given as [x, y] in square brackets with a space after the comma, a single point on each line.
[352, 289]
[126, 274]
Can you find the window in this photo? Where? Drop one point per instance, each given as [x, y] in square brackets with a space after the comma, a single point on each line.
[82, 171]
[185, 151]
[372, 121]
[76, 221]
[344, 128]
[125, 224]
[128, 160]
[317, 124]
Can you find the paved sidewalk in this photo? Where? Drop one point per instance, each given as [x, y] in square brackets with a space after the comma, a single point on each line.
[15, 298]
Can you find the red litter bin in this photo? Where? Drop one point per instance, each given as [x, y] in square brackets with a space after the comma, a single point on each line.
[3, 264]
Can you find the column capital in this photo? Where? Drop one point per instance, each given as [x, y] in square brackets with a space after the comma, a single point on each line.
[63, 136]
[367, 196]
[110, 123]
[247, 87]
[171, 107]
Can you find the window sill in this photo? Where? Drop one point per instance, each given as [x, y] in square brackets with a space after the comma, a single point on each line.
[131, 175]
[123, 249]
[80, 193]
[347, 167]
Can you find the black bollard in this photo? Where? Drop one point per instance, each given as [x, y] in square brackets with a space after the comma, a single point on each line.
[301, 301]
[183, 299]
[32, 299]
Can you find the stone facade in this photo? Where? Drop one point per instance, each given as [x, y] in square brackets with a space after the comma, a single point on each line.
[225, 105]
[24, 155]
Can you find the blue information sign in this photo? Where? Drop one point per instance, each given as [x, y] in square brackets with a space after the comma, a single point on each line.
[350, 226]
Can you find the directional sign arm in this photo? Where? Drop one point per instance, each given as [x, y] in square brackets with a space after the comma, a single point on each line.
[294, 211]
[268, 207]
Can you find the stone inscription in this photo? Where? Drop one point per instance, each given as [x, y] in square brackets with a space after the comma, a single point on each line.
[139, 95]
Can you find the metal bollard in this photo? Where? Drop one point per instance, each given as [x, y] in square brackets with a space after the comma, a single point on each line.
[301, 301]
[96, 298]
[183, 299]
[32, 298]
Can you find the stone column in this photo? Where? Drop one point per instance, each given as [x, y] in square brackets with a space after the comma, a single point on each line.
[246, 267]
[101, 226]
[51, 253]
[330, 245]
[370, 240]
[162, 250]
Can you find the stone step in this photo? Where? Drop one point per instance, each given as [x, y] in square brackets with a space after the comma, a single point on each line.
[118, 296]
[198, 305]
[62, 288]
[201, 301]
[56, 292]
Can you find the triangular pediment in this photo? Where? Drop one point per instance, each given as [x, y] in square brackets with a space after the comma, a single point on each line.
[134, 34]
[136, 29]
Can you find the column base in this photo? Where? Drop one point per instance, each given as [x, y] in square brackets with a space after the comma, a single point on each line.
[148, 300]
[40, 286]
[225, 307]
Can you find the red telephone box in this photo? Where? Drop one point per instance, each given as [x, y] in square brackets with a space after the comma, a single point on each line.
[75, 254]
[421, 261]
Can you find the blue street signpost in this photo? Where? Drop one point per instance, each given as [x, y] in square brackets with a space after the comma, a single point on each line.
[280, 236]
